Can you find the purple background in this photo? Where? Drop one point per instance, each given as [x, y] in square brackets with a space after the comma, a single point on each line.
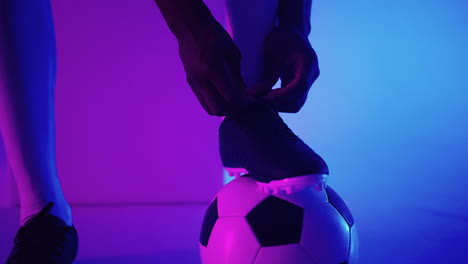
[129, 128]
[388, 114]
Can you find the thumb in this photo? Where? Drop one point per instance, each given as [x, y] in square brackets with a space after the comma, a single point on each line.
[271, 75]
[261, 88]
[284, 100]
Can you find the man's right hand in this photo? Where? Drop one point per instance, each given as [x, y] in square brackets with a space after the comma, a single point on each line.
[212, 64]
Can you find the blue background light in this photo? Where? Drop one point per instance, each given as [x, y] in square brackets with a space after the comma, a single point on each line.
[389, 115]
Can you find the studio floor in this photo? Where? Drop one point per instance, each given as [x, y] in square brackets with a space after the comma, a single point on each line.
[168, 234]
[126, 234]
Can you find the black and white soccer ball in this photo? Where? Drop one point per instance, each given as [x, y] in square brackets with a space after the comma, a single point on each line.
[244, 225]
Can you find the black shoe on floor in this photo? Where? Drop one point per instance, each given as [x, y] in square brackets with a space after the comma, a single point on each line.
[44, 239]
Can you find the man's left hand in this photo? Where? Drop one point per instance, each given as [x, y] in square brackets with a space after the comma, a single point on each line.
[289, 56]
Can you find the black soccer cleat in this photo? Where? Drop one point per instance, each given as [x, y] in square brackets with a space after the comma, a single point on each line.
[44, 239]
[258, 142]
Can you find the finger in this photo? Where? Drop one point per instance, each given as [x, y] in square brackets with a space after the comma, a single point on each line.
[296, 82]
[230, 85]
[233, 67]
[297, 76]
[286, 99]
[209, 97]
[302, 70]
[271, 72]
[263, 87]
[260, 89]
[284, 105]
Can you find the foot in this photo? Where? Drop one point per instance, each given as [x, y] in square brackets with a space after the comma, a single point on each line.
[44, 238]
[257, 141]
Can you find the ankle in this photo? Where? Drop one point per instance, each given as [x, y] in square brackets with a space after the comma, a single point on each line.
[61, 209]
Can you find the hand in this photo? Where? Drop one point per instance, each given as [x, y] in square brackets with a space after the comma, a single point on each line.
[289, 56]
[212, 64]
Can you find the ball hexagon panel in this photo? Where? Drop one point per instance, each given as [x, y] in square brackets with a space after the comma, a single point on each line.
[239, 197]
[325, 234]
[335, 200]
[231, 242]
[276, 222]
[211, 216]
[293, 254]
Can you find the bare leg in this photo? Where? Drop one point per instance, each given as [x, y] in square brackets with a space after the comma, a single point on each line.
[249, 23]
[27, 80]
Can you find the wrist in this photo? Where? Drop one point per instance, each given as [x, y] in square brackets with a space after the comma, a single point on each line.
[185, 16]
[294, 29]
[294, 15]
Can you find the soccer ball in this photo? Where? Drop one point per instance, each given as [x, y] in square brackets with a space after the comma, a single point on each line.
[244, 225]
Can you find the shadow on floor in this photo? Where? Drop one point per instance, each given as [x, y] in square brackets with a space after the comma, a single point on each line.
[164, 257]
